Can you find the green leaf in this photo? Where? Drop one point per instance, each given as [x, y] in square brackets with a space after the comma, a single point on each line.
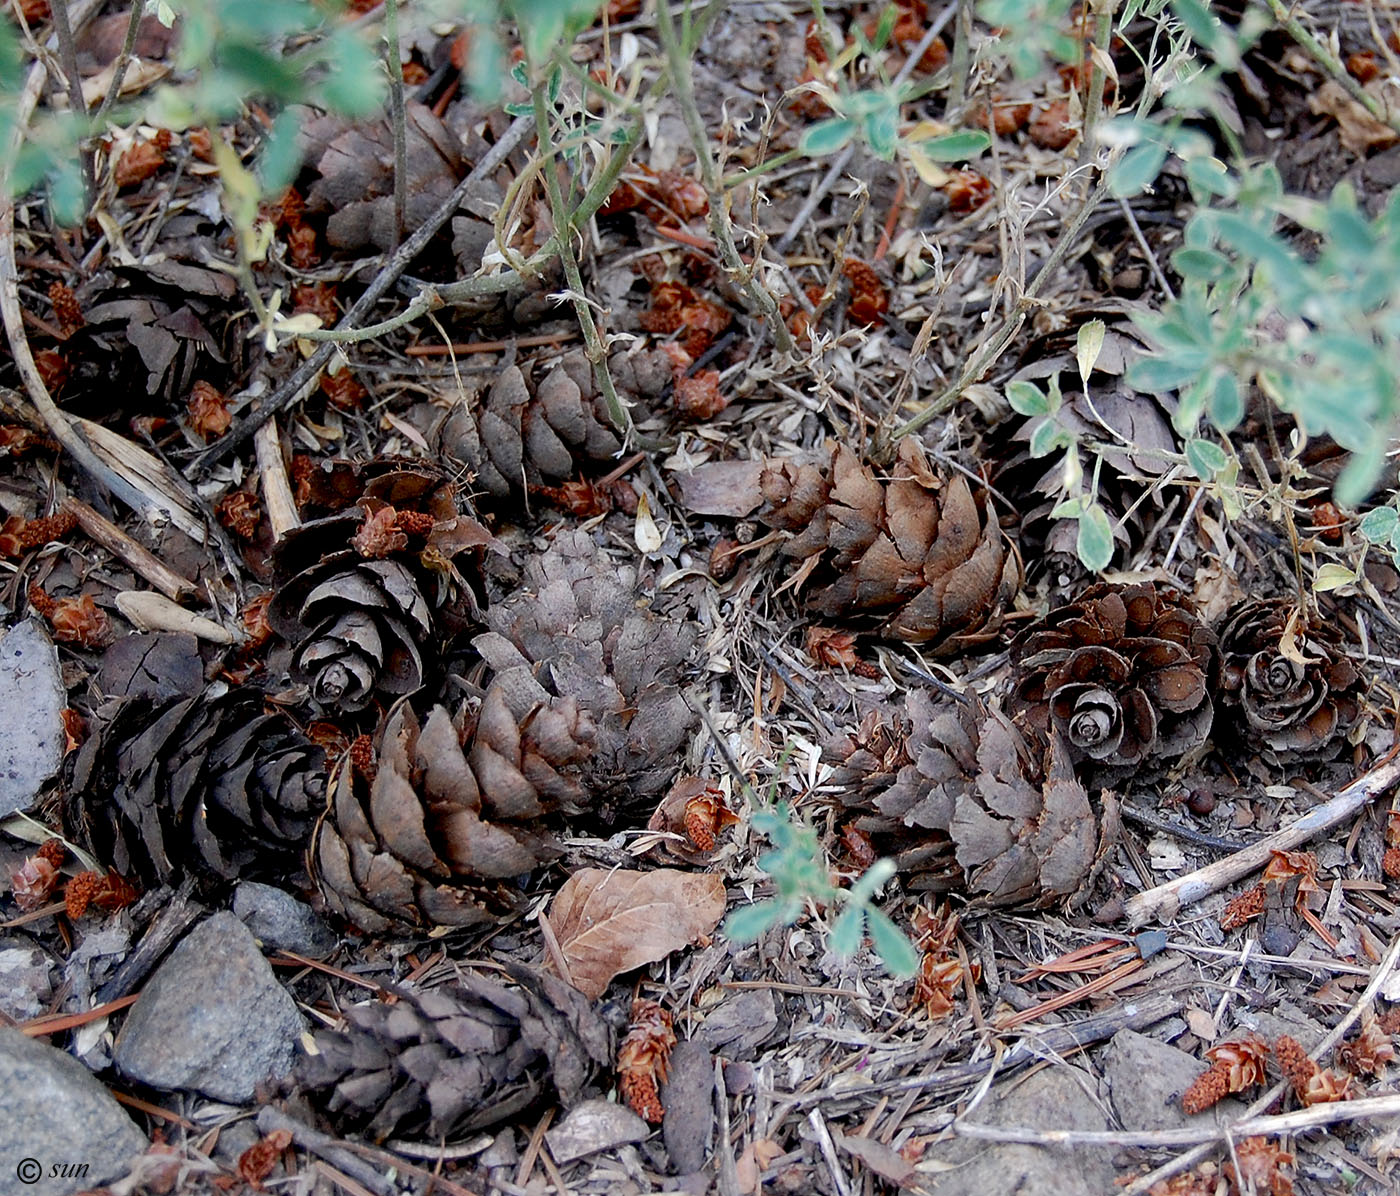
[1088, 344]
[1094, 543]
[871, 879]
[1207, 176]
[1362, 473]
[894, 949]
[752, 922]
[1158, 374]
[1380, 524]
[67, 195]
[1200, 265]
[1225, 403]
[881, 129]
[1027, 399]
[1047, 437]
[1205, 457]
[1070, 508]
[1138, 168]
[961, 146]
[281, 156]
[1332, 576]
[826, 136]
[847, 932]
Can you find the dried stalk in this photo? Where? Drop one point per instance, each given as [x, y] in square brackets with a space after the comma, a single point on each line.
[396, 118]
[117, 542]
[282, 514]
[133, 29]
[1166, 900]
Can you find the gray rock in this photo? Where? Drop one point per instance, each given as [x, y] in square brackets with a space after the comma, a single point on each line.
[688, 1096]
[213, 1019]
[1146, 1079]
[26, 978]
[281, 922]
[1058, 1098]
[593, 1126]
[55, 1117]
[32, 698]
[740, 1023]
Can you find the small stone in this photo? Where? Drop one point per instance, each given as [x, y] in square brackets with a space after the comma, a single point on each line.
[593, 1126]
[741, 1023]
[32, 696]
[57, 1122]
[1146, 1079]
[280, 922]
[688, 1096]
[213, 1019]
[26, 979]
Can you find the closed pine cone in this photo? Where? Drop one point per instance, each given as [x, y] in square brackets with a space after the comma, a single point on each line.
[458, 1058]
[449, 817]
[921, 550]
[573, 629]
[1124, 673]
[968, 782]
[211, 784]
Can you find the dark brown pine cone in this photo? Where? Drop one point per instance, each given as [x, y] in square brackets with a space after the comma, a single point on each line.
[458, 1058]
[529, 435]
[449, 817]
[921, 550]
[573, 628]
[1124, 673]
[1291, 695]
[208, 784]
[967, 782]
[359, 592]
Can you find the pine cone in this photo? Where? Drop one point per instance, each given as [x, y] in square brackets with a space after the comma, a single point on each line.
[1293, 697]
[363, 592]
[574, 629]
[526, 436]
[921, 549]
[1021, 826]
[447, 818]
[458, 1058]
[207, 784]
[1124, 673]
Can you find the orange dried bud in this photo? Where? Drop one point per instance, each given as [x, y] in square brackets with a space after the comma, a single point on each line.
[54, 370]
[1209, 1088]
[256, 1163]
[869, 300]
[643, 1058]
[80, 621]
[1293, 1061]
[999, 117]
[65, 308]
[1239, 910]
[254, 619]
[812, 43]
[42, 601]
[937, 985]
[11, 536]
[54, 851]
[343, 390]
[1283, 865]
[201, 144]
[859, 846]
[698, 397]
[210, 417]
[1256, 1167]
[74, 732]
[1369, 1052]
[414, 73]
[724, 558]
[16, 441]
[1235, 1067]
[79, 892]
[38, 532]
[967, 190]
[34, 881]
[140, 161]
[1390, 863]
[329, 738]
[239, 512]
[1051, 128]
[378, 536]
[1362, 66]
[34, 11]
[362, 758]
[319, 299]
[705, 814]
[415, 524]
[1329, 522]
[288, 210]
[581, 498]
[301, 247]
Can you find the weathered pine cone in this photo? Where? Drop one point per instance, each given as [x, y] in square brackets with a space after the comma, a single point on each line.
[449, 817]
[1294, 696]
[458, 1058]
[360, 593]
[573, 629]
[966, 781]
[922, 550]
[209, 784]
[1124, 673]
[530, 435]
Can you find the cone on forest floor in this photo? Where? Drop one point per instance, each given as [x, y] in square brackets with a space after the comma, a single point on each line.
[968, 783]
[457, 1058]
[921, 550]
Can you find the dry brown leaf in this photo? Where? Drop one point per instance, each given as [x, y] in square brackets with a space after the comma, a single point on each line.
[609, 922]
[1358, 130]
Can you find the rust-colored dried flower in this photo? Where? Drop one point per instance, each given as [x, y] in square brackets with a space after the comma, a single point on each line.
[1369, 1052]
[54, 370]
[643, 1058]
[705, 814]
[256, 1163]
[859, 846]
[1124, 672]
[1052, 128]
[416, 525]
[1257, 1168]
[1298, 1069]
[379, 535]
[34, 12]
[1362, 66]
[343, 391]
[675, 307]
[91, 890]
[210, 417]
[66, 308]
[1201, 1180]
[74, 731]
[835, 649]
[302, 249]
[698, 396]
[941, 972]
[362, 758]
[139, 161]
[967, 190]
[1287, 686]
[240, 513]
[869, 299]
[1234, 1067]
[75, 620]
[44, 530]
[34, 881]
[1000, 117]
[724, 558]
[318, 298]
[201, 144]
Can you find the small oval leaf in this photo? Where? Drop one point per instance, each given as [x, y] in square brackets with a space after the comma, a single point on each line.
[1094, 544]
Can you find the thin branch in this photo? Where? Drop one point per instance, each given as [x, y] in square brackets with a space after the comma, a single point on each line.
[397, 122]
[133, 29]
[68, 55]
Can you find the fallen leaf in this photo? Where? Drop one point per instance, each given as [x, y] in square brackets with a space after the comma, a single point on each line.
[727, 488]
[608, 922]
[886, 1163]
[648, 535]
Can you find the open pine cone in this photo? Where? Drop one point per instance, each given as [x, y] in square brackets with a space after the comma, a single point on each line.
[208, 784]
[922, 550]
[1124, 673]
[457, 1058]
[358, 590]
[1294, 693]
[449, 817]
[967, 781]
[573, 629]
[525, 436]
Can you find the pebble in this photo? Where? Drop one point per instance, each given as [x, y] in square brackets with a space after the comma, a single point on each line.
[593, 1126]
[688, 1096]
[280, 922]
[213, 1019]
[57, 1122]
